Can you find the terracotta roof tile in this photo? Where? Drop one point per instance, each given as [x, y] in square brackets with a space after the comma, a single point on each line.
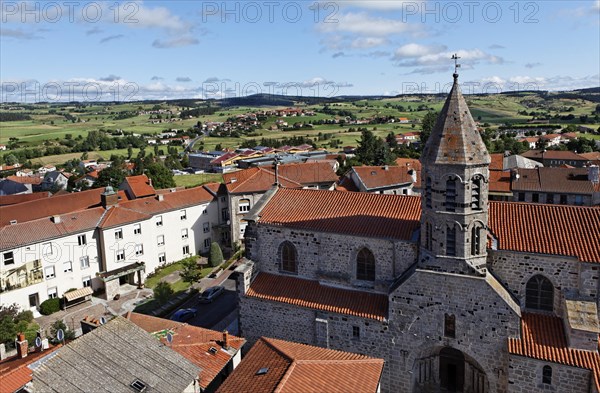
[171, 201]
[193, 343]
[553, 179]
[140, 186]
[499, 181]
[311, 294]
[346, 184]
[6, 200]
[543, 338]
[26, 179]
[14, 373]
[300, 368]
[374, 177]
[553, 155]
[497, 163]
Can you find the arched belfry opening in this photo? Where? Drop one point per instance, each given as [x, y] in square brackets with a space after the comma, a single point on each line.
[452, 370]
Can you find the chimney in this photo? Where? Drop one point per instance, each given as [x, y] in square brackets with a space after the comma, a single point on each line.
[56, 219]
[413, 175]
[386, 168]
[594, 174]
[160, 197]
[109, 197]
[22, 346]
[225, 339]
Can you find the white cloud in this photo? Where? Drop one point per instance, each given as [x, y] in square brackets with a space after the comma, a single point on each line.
[417, 50]
[175, 42]
[385, 5]
[362, 23]
[368, 42]
[18, 34]
[428, 57]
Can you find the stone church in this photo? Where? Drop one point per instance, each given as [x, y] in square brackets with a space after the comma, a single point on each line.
[455, 292]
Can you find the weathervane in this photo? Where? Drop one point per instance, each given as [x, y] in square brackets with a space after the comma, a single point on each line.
[455, 57]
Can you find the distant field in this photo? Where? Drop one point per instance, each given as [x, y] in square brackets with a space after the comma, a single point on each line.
[196, 180]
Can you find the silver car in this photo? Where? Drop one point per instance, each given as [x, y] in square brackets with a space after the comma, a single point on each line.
[211, 293]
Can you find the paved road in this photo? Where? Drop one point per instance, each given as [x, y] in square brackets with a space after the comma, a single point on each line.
[212, 313]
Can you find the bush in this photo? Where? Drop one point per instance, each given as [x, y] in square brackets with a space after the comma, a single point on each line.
[216, 255]
[163, 291]
[58, 325]
[50, 306]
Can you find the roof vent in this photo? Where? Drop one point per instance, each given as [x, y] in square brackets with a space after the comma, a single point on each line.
[13, 222]
[56, 219]
[262, 371]
[373, 173]
[233, 180]
[138, 386]
[160, 197]
[212, 350]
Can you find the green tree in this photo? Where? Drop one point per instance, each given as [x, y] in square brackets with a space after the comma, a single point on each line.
[365, 152]
[160, 175]
[427, 125]
[60, 325]
[216, 255]
[129, 152]
[190, 272]
[113, 175]
[10, 159]
[163, 291]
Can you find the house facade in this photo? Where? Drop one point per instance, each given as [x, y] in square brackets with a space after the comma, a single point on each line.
[452, 290]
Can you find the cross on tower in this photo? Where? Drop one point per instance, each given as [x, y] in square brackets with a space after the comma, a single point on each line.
[455, 57]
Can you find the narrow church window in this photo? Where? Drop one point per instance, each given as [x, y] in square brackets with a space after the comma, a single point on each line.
[449, 325]
[428, 236]
[288, 258]
[476, 240]
[476, 193]
[539, 294]
[365, 265]
[355, 332]
[450, 194]
[451, 241]
[547, 375]
[428, 193]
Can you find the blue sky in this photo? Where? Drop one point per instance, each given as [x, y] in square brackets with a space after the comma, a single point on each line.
[208, 49]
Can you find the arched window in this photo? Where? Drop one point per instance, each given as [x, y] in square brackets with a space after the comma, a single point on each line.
[244, 205]
[539, 294]
[428, 193]
[476, 193]
[547, 375]
[288, 258]
[365, 265]
[476, 240]
[450, 194]
[428, 236]
[451, 241]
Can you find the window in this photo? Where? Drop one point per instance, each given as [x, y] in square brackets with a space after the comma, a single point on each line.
[563, 199]
[206, 227]
[118, 234]
[137, 229]
[182, 215]
[547, 375]
[47, 248]
[162, 257]
[87, 281]
[225, 214]
[139, 250]
[244, 205]
[550, 198]
[449, 325]
[120, 255]
[186, 249]
[476, 193]
[365, 265]
[223, 199]
[428, 236]
[207, 243]
[428, 193]
[49, 272]
[9, 258]
[68, 267]
[52, 293]
[356, 332]
[450, 195]
[160, 240]
[521, 197]
[33, 300]
[451, 242]
[159, 221]
[475, 240]
[539, 294]
[288, 258]
[535, 197]
[138, 386]
[579, 200]
[205, 211]
[84, 262]
[81, 240]
[184, 234]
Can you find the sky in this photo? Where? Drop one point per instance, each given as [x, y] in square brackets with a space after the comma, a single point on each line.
[137, 50]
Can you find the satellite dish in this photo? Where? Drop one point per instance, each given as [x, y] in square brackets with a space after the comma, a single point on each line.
[38, 342]
[60, 335]
[102, 320]
[169, 338]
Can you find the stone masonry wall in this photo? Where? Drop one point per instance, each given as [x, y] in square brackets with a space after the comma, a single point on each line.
[525, 376]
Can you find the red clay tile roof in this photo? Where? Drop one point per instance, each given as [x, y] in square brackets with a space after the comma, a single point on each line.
[119, 215]
[6, 200]
[346, 184]
[193, 343]
[593, 156]
[56, 205]
[555, 180]
[497, 163]
[411, 163]
[26, 179]
[353, 213]
[311, 294]
[171, 201]
[374, 177]
[14, 373]
[547, 229]
[543, 338]
[499, 181]
[300, 368]
[140, 186]
[553, 155]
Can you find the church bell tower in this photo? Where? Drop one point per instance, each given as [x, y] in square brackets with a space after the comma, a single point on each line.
[455, 178]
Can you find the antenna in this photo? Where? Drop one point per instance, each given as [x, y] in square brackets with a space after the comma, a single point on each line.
[455, 57]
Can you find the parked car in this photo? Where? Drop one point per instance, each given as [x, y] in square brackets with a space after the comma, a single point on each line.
[211, 293]
[184, 314]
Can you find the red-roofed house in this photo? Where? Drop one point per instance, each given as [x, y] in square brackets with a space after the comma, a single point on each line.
[139, 186]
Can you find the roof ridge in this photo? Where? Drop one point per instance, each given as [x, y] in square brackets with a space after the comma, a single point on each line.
[285, 377]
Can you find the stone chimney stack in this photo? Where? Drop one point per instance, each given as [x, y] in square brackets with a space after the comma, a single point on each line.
[109, 197]
[225, 339]
[22, 346]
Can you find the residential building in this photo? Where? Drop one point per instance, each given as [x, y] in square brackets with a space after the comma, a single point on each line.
[139, 186]
[556, 158]
[384, 179]
[454, 292]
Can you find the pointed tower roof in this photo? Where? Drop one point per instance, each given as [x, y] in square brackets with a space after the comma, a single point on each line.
[455, 138]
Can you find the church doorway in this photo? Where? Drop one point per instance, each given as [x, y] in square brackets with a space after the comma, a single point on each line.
[452, 370]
